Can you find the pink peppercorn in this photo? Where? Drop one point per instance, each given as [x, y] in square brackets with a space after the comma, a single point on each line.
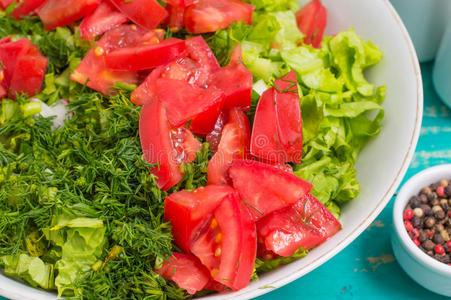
[417, 242]
[408, 225]
[441, 191]
[449, 244]
[439, 249]
[414, 233]
[408, 214]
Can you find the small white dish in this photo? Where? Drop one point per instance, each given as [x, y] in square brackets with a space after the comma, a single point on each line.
[422, 268]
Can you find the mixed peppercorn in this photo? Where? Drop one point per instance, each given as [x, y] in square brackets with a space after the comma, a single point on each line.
[427, 219]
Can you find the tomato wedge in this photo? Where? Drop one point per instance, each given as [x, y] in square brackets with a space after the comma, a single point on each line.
[56, 13]
[234, 144]
[5, 3]
[28, 75]
[104, 18]
[226, 244]
[312, 20]
[265, 188]
[213, 15]
[164, 145]
[236, 82]
[23, 67]
[175, 18]
[93, 72]
[146, 56]
[146, 13]
[26, 7]
[184, 101]
[277, 131]
[187, 211]
[180, 3]
[186, 271]
[200, 52]
[318, 214]
[285, 230]
[214, 136]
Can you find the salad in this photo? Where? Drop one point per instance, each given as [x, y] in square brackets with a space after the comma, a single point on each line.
[167, 149]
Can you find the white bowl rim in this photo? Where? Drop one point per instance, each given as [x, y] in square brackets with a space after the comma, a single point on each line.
[366, 221]
[400, 203]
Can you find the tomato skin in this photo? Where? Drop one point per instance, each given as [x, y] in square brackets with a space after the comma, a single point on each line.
[145, 56]
[213, 15]
[28, 75]
[175, 18]
[234, 144]
[222, 241]
[181, 3]
[186, 271]
[188, 210]
[184, 101]
[104, 18]
[201, 53]
[288, 117]
[56, 13]
[277, 131]
[312, 20]
[265, 188]
[285, 230]
[10, 52]
[26, 7]
[319, 215]
[204, 122]
[146, 13]
[24, 70]
[101, 78]
[236, 82]
[5, 3]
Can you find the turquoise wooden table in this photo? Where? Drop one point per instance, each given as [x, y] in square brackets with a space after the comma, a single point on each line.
[367, 269]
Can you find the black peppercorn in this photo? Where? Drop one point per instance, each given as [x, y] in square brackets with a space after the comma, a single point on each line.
[416, 222]
[428, 245]
[438, 239]
[448, 190]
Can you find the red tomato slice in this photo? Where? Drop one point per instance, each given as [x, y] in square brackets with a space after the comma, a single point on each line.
[213, 15]
[318, 214]
[277, 131]
[146, 56]
[55, 13]
[6, 3]
[28, 75]
[226, 244]
[214, 136]
[285, 230]
[201, 53]
[181, 69]
[311, 20]
[187, 211]
[265, 188]
[104, 18]
[93, 72]
[204, 122]
[236, 82]
[184, 101]
[26, 7]
[175, 19]
[234, 144]
[3, 92]
[146, 13]
[265, 141]
[181, 3]
[186, 271]
[288, 117]
[10, 52]
[164, 145]
[5, 40]
[129, 35]
[213, 285]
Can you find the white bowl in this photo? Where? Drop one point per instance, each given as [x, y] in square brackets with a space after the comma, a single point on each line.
[424, 269]
[381, 165]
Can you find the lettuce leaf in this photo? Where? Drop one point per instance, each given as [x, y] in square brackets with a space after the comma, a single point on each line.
[32, 269]
[271, 5]
[80, 241]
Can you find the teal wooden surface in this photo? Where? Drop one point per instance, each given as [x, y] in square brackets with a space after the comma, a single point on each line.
[367, 269]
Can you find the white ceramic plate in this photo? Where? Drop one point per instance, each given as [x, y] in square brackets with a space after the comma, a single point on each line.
[381, 165]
